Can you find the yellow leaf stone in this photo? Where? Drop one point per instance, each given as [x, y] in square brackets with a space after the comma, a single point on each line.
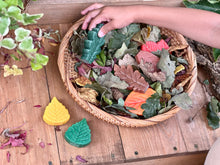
[56, 113]
[179, 68]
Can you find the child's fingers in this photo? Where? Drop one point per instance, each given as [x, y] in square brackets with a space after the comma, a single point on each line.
[89, 17]
[91, 7]
[98, 19]
[106, 28]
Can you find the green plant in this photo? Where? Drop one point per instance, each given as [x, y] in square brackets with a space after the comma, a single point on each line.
[209, 5]
[14, 37]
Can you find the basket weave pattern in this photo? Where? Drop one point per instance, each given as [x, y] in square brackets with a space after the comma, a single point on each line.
[66, 67]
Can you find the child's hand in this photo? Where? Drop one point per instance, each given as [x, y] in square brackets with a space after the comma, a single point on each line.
[116, 17]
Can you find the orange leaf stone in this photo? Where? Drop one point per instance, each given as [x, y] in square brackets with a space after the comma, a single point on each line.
[136, 99]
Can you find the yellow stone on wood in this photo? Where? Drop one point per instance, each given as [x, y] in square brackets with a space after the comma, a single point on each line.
[56, 113]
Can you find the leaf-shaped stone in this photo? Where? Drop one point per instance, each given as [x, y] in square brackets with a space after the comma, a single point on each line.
[15, 12]
[4, 25]
[26, 44]
[134, 79]
[8, 43]
[56, 113]
[92, 46]
[78, 134]
[21, 34]
[120, 52]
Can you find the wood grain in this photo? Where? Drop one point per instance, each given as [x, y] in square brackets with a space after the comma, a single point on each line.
[33, 88]
[106, 143]
[192, 159]
[150, 141]
[67, 11]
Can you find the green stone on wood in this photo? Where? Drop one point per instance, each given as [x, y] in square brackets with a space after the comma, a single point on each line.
[78, 134]
[92, 46]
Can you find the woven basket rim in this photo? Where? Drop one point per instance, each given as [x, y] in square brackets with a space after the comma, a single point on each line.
[101, 114]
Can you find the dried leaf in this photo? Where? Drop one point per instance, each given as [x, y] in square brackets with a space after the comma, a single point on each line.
[168, 67]
[133, 78]
[12, 71]
[82, 81]
[89, 95]
[179, 69]
[42, 144]
[181, 78]
[154, 34]
[120, 52]
[150, 72]
[37, 106]
[181, 100]
[178, 50]
[8, 156]
[109, 80]
[79, 158]
[116, 93]
[127, 60]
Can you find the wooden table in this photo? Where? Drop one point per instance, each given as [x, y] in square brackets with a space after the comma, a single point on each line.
[174, 141]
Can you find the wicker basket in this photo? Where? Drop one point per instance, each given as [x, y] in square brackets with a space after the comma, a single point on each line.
[66, 67]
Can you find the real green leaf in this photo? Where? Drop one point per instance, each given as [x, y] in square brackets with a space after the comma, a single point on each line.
[31, 19]
[8, 43]
[35, 66]
[21, 34]
[203, 5]
[15, 57]
[151, 106]
[3, 4]
[101, 58]
[15, 13]
[216, 53]
[42, 59]
[4, 25]
[21, 4]
[26, 44]
[12, 2]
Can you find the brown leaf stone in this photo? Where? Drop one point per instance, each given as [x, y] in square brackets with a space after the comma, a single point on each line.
[134, 79]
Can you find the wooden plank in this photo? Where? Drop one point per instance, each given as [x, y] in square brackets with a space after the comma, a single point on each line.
[161, 139]
[192, 159]
[33, 88]
[106, 143]
[66, 11]
[197, 135]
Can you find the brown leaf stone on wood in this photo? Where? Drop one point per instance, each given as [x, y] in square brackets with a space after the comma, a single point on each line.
[134, 79]
[116, 93]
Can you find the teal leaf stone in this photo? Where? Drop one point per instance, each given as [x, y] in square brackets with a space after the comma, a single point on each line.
[78, 134]
[92, 46]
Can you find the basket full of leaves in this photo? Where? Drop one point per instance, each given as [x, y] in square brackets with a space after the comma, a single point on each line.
[136, 76]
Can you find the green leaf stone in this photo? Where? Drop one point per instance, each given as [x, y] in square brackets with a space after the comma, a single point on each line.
[15, 13]
[21, 34]
[30, 19]
[4, 25]
[26, 44]
[8, 43]
[92, 46]
[78, 134]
